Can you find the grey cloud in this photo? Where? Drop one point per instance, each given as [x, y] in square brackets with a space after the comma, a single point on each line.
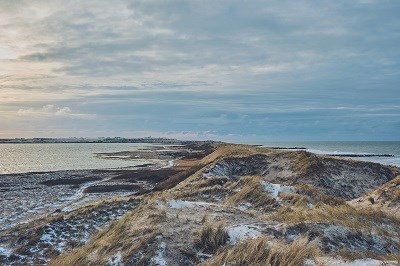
[273, 66]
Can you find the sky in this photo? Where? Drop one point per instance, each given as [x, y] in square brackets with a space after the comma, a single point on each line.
[230, 70]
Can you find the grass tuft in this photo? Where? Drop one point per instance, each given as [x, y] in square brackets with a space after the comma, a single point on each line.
[212, 238]
[356, 218]
[260, 251]
[252, 192]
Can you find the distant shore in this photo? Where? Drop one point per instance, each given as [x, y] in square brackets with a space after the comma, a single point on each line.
[90, 140]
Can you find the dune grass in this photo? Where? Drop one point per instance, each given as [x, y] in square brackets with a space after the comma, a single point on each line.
[389, 192]
[211, 238]
[251, 191]
[127, 235]
[345, 215]
[316, 196]
[261, 251]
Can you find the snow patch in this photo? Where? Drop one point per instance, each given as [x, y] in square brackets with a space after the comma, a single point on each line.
[244, 206]
[176, 204]
[329, 261]
[274, 189]
[243, 231]
[63, 234]
[169, 165]
[116, 260]
[5, 252]
[159, 259]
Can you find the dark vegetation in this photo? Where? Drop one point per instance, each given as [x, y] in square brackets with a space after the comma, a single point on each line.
[70, 181]
[149, 175]
[211, 238]
[112, 188]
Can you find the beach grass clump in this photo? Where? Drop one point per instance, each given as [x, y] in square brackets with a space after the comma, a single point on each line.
[261, 251]
[294, 198]
[252, 192]
[211, 238]
[345, 215]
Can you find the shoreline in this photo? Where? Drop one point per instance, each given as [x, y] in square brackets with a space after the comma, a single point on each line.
[31, 195]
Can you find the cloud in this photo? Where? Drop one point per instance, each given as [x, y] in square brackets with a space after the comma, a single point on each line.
[51, 110]
[227, 67]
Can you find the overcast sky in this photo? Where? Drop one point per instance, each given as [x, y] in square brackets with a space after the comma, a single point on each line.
[229, 70]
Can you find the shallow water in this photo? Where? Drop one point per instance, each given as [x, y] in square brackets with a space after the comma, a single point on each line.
[21, 158]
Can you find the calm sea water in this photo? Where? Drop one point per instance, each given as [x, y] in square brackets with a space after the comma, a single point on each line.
[21, 158]
[356, 147]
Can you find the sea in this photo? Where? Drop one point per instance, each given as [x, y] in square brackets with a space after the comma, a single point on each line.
[349, 147]
[21, 158]
[38, 157]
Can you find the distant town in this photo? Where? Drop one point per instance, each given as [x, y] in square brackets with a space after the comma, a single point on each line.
[91, 140]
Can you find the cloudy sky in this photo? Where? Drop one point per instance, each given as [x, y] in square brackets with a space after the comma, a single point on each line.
[231, 70]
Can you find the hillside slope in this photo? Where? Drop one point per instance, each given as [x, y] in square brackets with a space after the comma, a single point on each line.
[385, 198]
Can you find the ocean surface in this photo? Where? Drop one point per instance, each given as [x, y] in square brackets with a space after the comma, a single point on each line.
[21, 158]
[349, 147]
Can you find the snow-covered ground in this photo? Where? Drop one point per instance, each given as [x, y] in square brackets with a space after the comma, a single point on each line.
[63, 234]
[159, 258]
[330, 261]
[5, 252]
[275, 189]
[176, 204]
[116, 260]
[243, 231]
[26, 197]
[170, 164]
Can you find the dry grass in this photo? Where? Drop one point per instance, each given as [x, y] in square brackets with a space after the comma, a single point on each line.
[294, 198]
[385, 198]
[127, 235]
[389, 192]
[215, 187]
[260, 251]
[177, 178]
[345, 215]
[252, 191]
[195, 186]
[392, 257]
[307, 163]
[356, 255]
[211, 238]
[316, 196]
[225, 150]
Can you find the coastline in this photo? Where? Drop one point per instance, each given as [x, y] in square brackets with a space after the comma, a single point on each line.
[33, 195]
